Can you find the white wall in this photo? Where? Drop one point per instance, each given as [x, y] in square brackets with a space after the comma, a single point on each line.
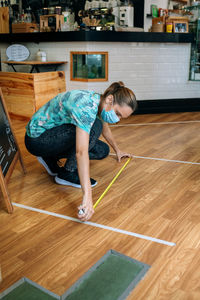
[151, 70]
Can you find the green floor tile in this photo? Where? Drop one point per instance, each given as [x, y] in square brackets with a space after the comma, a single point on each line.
[26, 291]
[114, 277]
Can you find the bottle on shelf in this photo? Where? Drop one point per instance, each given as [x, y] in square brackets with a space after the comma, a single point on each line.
[28, 15]
[66, 26]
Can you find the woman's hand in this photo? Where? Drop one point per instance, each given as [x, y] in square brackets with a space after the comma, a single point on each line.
[121, 154]
[85, 210]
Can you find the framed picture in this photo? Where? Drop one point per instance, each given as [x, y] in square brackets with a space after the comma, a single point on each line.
[180, 27]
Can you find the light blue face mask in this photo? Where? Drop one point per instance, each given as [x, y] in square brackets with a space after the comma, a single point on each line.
[109, 116]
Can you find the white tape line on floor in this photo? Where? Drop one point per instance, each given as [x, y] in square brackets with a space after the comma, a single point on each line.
[168, 160]
[163, 159]
[155, 123]
[144, 237]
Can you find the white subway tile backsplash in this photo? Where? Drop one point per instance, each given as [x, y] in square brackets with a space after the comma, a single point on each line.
[152, 70]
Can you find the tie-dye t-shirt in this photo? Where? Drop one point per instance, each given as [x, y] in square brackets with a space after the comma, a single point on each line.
[78, 107]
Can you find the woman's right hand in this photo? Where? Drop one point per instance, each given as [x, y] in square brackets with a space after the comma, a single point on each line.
[85, 210]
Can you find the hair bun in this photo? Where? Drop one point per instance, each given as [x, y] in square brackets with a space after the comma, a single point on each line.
[121, 84]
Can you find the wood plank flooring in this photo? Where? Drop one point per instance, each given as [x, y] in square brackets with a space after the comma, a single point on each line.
[156, 198]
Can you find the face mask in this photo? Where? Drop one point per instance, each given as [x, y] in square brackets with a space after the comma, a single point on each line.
[109, 116]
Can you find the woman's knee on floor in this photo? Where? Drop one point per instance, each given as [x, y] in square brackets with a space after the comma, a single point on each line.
[99, 151]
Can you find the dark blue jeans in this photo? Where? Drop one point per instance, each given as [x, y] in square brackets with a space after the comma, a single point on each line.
[60, 142]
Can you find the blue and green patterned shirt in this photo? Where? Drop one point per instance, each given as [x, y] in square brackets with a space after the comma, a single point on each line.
[78, 107]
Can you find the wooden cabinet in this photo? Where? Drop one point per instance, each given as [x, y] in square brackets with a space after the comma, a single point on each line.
[25, 93]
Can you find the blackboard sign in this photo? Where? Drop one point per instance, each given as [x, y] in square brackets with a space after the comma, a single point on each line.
[9, 151]
[8, 148]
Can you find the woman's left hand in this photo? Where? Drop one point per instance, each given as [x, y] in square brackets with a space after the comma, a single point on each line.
[121, 154]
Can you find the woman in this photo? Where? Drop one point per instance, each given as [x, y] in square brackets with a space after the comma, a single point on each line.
[69, 126]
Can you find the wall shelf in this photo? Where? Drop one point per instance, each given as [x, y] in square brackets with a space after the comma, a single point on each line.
[97, 36]
[180, 1]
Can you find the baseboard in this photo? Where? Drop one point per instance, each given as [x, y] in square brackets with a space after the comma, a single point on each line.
[168, 105]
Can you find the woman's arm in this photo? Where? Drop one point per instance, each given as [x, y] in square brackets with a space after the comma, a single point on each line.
[82, 156]
[107, 134]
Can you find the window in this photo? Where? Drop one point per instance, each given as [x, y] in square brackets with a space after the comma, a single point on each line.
[89, 66]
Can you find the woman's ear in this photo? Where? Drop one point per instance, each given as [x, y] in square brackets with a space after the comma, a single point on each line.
[109, 99]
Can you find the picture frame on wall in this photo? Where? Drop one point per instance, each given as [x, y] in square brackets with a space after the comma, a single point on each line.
[180, 27]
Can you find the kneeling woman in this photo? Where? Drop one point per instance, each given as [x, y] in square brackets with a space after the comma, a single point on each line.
[69, 126]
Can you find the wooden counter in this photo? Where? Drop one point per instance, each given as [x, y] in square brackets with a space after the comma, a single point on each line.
[25, 93]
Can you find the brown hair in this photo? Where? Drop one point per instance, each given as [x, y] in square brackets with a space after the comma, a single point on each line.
[122, 95]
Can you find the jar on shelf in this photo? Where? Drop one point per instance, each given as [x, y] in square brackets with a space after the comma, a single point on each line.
[41, 55]
[169, 27]
[58, 10]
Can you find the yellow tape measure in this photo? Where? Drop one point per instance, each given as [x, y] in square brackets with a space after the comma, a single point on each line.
[81, 211]
[109, 186]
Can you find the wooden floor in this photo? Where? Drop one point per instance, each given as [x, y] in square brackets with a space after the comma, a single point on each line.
[156, 198]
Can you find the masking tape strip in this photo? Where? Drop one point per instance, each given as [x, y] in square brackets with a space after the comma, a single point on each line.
[155, 123]
[133, 234]
[163, 159]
